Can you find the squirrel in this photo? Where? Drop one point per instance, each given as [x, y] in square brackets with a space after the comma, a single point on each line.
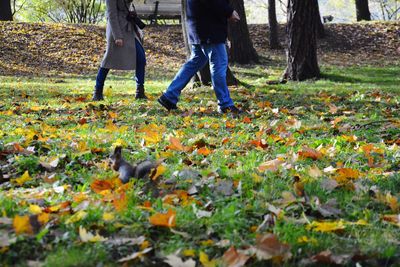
[127, 171]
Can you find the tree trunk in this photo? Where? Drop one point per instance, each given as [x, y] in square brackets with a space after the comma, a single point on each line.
[5, 10]
[362, 10]
[320, 25]
[302, 62]
[242, 50]
[273, 26]
[203, 77]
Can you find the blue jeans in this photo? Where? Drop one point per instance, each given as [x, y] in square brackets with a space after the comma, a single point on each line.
[140, 68]
[201, 54]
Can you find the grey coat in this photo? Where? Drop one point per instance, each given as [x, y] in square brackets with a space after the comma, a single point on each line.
[119, 58]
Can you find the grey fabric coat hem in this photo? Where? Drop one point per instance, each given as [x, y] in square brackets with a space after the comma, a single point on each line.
[115, 57]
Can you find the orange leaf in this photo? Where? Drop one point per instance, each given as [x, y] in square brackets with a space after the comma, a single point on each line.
[101, 185]
[310, 153]
[204, 151]
[164, 219]
[22, 225]
[345, 174]
[261, 143]
[230, 125]
[120, 201]
[176, 144]
[246, 120]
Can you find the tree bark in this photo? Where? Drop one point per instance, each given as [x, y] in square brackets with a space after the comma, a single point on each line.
[302, 62]
[273, 26]
[203, 77]
[241, 47]
[362, 10]
[5, 10]
[320, 25]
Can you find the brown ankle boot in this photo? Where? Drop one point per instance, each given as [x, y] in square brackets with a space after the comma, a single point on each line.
[140, 92]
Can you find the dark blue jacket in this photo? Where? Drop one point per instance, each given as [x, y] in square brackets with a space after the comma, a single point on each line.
[207, 21]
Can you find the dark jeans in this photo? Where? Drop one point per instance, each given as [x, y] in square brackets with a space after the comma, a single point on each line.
[140, 68]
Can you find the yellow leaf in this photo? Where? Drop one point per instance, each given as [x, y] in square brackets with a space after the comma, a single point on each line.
[205, 261]
[24, 178]
[35, 209]
[119, 142]
[108, 216]
[89, 237]
[44, 218]
[22, 225]
[343, 175]
[304, 239]
[76, 217]
[189, 253]
[160, 170]
[326, 226]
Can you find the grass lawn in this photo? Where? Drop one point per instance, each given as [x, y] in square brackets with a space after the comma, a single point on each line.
[314, 163]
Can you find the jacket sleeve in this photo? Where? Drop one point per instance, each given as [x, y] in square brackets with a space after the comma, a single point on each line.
[221, 7]
[112, 15]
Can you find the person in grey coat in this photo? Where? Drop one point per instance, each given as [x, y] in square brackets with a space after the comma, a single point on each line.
[124, 49]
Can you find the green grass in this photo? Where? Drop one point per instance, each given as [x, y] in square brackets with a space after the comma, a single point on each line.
[56, 118]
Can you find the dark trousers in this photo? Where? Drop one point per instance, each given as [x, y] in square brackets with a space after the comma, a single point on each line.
[140, 68]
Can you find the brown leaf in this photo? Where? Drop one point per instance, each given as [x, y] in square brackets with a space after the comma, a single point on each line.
[233, 258]
[269, 247]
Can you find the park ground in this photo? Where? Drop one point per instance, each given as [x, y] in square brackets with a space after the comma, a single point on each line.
[309, 175]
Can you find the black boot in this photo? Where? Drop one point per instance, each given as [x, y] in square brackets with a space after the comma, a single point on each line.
[140, 92]
[98, 94]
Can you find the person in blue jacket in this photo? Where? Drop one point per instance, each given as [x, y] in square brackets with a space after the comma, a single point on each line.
[207, 26]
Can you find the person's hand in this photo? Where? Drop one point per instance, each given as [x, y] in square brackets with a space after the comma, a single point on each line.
[119, 42]
[234, 17]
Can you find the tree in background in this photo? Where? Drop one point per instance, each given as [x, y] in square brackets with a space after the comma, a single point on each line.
[320, 25]
[5, 10]
[273, 26]
[65, 11]
[302, 62]
[241, 49]
[362, 10]
[389, 9]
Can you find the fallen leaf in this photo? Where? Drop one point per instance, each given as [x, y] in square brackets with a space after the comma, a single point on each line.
[89, 237]
[204, 151]
[345, 175]
[175, 261]
[326, 227]
[205, 261]
[160, 170]
[76, 217]
[272, 165]
[233, 258]
[23, 179]
[164, 219]
[22, 225]
[310, 153]
[135, 255]
[101, 185]
[269, 247]
[35, 209]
